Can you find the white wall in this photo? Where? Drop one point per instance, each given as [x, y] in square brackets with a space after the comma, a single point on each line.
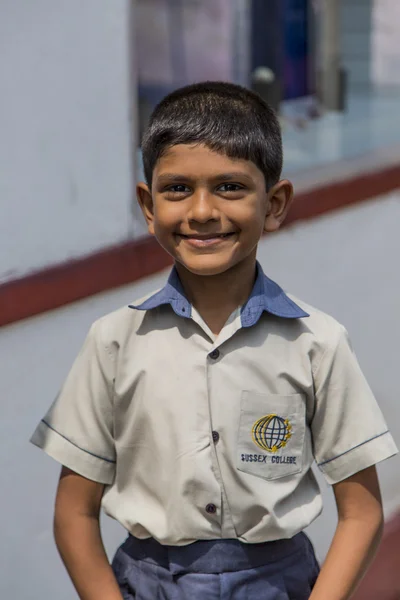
[385, 43]
[370, 47]
[65, 143]
[346, 263]
[355, 19]
[200, 31]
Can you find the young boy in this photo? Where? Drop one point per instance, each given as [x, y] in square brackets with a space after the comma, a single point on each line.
[194, 415]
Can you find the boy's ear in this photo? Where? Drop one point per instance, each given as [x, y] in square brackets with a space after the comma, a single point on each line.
[280, 197]
[145, 201]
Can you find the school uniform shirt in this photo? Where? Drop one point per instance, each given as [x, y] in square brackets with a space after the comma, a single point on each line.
[199, 436]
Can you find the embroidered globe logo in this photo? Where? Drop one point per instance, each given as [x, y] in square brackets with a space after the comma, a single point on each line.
[271, 432]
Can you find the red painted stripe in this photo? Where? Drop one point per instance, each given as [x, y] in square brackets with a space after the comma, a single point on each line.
[382, 581]
[76, 279]
[338, 194]
[125, 263]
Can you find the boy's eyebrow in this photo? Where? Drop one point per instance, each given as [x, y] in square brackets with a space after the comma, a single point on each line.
[233, 175]
[173, 177]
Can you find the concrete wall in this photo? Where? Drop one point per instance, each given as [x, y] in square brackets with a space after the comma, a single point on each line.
[345, 263]
[65, 149]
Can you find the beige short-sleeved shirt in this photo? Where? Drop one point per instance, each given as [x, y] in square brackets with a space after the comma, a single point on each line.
[204, 437]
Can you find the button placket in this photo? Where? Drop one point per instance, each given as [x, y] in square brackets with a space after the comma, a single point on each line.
[211, 509]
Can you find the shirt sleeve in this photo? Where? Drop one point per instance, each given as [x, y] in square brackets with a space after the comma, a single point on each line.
[77, 431]
[348, 429]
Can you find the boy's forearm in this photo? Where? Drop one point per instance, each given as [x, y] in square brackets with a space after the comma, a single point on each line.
[353, 547]
[81, 548]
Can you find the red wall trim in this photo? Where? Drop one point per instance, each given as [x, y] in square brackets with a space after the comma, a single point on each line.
[382, 581]
[76, 279]
[125, 263]
[338, 194]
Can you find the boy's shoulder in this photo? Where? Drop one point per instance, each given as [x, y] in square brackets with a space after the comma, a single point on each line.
[122, 322]
[323, 327]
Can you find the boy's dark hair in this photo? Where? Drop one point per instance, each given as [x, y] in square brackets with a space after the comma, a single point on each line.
[227, 118]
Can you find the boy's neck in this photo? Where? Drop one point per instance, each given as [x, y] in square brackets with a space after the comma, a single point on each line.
[215, 297]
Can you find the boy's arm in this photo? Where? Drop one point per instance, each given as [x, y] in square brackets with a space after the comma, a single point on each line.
[357, 536]
[78, 537]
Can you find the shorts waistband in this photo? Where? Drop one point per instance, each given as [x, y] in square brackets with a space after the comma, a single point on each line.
[214, 556]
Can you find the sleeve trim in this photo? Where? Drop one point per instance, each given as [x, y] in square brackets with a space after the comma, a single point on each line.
[109, 460]
[321, 464]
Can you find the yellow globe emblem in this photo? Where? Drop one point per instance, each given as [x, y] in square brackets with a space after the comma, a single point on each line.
[271, 432]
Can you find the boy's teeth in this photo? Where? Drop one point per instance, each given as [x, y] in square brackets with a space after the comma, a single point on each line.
[217, 235]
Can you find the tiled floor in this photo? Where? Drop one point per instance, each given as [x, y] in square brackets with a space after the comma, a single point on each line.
[370, 122]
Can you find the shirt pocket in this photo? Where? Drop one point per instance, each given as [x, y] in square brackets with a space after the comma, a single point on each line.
[271, 434]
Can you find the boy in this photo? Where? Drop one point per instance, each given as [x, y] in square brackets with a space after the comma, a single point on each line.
[195, 414]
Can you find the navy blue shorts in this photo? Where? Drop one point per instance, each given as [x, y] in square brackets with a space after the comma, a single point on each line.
[216, 570]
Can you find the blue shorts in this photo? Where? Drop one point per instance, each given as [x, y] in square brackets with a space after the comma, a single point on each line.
[216, 570]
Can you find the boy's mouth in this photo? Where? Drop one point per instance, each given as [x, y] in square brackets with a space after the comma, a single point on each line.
[206, 240]
[206, 236]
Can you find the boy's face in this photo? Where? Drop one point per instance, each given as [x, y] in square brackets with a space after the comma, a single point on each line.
[209, 211]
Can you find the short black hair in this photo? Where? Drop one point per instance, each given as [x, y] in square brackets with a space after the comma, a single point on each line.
[226, 117]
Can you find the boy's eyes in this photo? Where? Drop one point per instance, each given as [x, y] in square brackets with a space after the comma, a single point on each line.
[180, 188]
[230, 187]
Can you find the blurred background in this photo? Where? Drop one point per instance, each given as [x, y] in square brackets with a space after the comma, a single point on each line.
[78, 80]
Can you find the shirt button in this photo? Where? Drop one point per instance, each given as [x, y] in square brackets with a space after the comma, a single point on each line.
[215, 436]
[211, 509]
[214, 354]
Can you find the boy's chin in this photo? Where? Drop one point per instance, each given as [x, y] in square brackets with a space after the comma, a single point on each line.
[206, 268]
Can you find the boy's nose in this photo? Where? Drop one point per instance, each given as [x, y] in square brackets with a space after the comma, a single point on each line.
[202, 208]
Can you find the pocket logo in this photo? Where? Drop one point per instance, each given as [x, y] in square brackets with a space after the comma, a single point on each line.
[271, 432]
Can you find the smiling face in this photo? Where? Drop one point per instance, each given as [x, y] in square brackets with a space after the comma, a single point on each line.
[208, 211]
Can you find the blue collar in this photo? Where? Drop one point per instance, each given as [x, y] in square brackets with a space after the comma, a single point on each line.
[266, 295]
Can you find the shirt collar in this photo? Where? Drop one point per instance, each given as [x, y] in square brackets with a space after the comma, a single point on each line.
[266, 296]
[172, 293]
